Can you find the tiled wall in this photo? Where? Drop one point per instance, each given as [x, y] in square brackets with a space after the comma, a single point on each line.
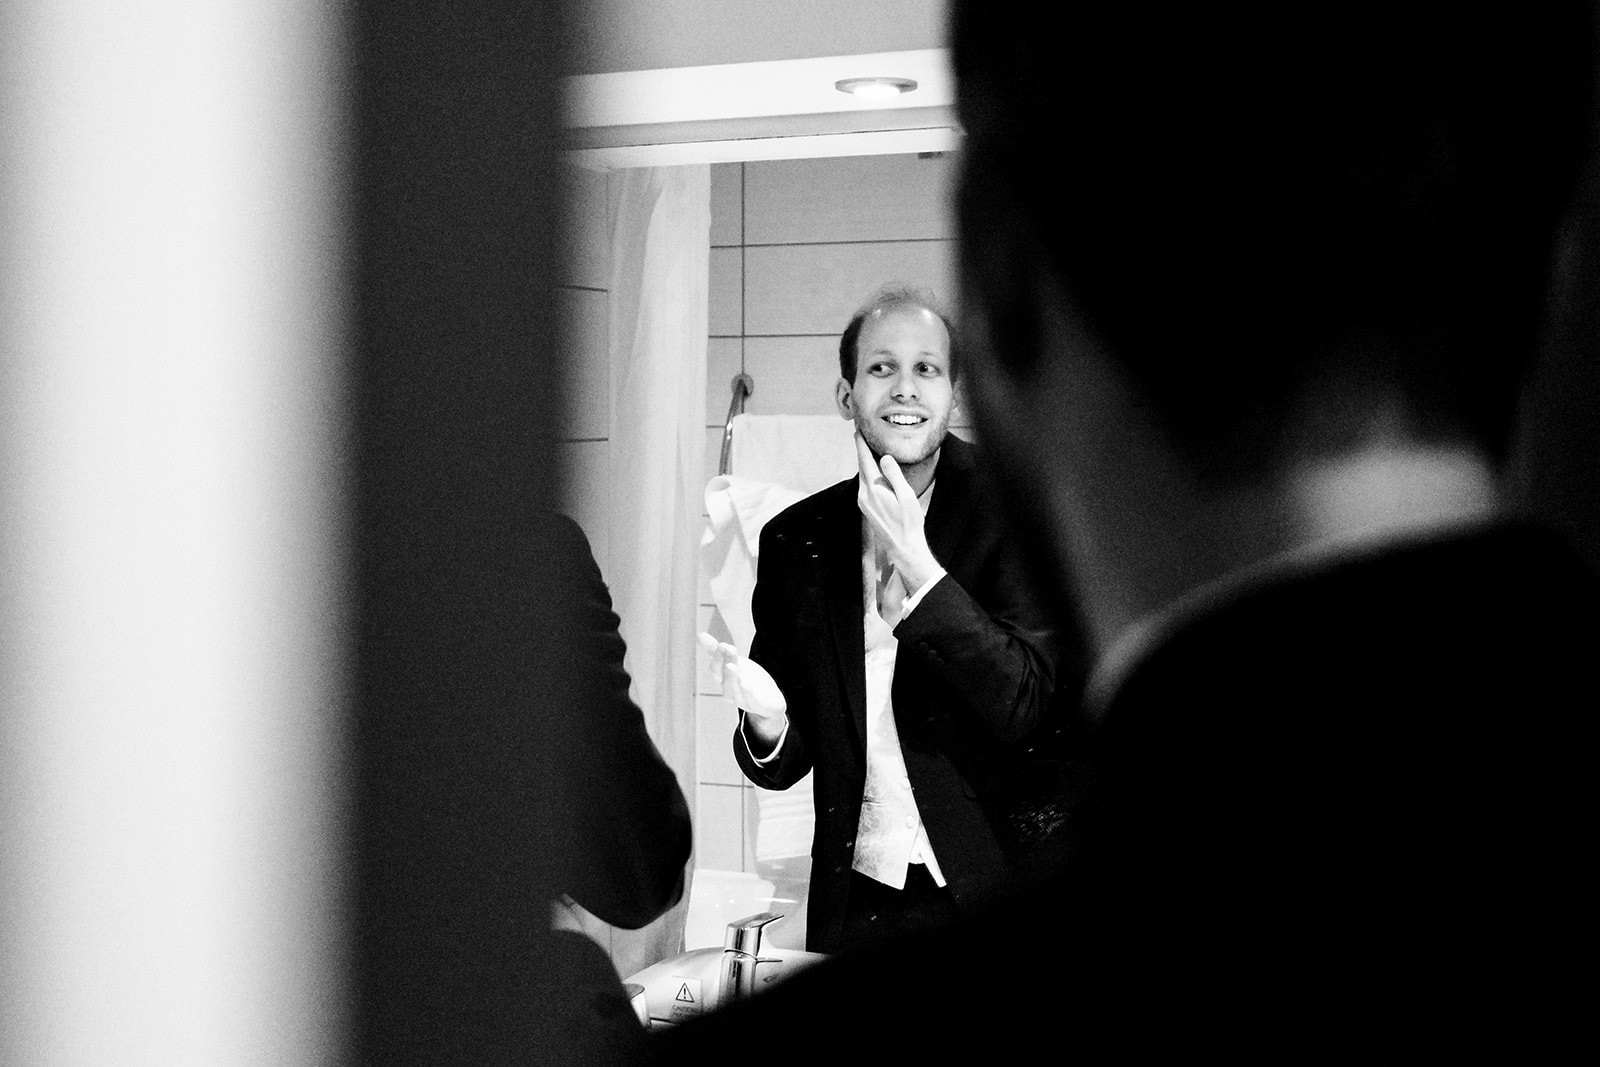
[796, 246]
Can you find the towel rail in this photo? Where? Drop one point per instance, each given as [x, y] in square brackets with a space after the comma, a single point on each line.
[743, 385]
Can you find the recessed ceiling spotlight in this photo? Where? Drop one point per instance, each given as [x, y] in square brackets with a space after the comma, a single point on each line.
[875, 88]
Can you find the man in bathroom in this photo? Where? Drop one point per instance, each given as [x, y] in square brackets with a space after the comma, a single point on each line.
[1249, 363]
[903, 652]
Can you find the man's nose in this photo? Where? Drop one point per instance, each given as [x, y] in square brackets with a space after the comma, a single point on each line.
[905, 386]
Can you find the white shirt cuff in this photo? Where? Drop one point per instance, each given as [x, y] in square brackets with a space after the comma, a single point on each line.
[777, 746]
[914, 599]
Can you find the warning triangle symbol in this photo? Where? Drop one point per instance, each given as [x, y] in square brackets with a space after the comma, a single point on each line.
[684, 994]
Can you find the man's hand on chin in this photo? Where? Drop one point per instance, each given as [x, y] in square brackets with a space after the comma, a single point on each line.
[890, 505]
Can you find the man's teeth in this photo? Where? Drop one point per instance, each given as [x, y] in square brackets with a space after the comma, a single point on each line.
[905, 420]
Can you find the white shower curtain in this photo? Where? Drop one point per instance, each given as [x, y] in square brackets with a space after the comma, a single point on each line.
[660, 225]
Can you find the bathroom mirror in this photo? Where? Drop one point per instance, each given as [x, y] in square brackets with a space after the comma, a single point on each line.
[816, 199]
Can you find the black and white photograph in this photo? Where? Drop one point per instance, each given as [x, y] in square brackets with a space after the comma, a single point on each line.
[656, 532]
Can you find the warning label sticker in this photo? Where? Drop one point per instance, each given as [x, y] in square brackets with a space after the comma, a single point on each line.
[686, 1000]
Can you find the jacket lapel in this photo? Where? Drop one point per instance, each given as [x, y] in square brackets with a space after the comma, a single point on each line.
[838, 547]
[948, 511]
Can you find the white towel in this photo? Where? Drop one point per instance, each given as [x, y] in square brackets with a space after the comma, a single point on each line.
[738, 508]
[776, 460]
[803, 452]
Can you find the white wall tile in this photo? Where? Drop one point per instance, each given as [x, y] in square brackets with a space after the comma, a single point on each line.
[586, 393]
[814, 289]
[712, 460]
[859, 198]
[752, 819]
[714, 726]
[727, 204]
[792, 375]
[724, 358]
[719, 827]
[724, 299]
[702, 589]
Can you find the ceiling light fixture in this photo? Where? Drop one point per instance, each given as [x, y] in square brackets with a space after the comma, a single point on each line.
[875, 88]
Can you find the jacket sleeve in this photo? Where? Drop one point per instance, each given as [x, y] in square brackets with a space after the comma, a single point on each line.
[773, 648]
[993, 646]
[623, 802]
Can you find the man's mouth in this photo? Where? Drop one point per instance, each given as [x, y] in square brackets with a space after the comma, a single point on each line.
[900, 419]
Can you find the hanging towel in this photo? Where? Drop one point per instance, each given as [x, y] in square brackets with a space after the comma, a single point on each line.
[803, 452]
[738, 508]
[776, 460]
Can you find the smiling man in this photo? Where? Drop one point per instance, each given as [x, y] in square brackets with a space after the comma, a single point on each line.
[902, 652]
[896, 383]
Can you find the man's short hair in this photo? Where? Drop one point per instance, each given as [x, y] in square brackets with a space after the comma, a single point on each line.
[1246, 206]
[890, 296]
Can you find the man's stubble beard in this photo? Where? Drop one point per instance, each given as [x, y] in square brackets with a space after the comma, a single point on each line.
[935, 440]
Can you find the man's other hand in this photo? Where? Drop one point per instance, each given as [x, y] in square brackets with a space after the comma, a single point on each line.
[745, 685]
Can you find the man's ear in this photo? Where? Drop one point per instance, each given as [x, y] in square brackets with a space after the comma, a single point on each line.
[843, 400]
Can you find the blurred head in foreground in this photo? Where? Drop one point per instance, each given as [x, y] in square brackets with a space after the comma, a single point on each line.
[1272, 262]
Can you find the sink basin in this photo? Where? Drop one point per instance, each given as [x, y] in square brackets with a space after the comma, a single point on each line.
[703, 979]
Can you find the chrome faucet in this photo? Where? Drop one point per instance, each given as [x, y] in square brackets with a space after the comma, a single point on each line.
[702, 979]
[741, 953]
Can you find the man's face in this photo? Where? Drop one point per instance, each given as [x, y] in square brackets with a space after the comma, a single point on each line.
[902, 396]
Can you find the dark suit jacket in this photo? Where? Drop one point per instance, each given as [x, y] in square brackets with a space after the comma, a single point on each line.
[619, 827]
[1347, 807]
[624, 813]
[974, 676]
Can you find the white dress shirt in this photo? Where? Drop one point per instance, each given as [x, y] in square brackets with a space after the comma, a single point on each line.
[890, 835]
